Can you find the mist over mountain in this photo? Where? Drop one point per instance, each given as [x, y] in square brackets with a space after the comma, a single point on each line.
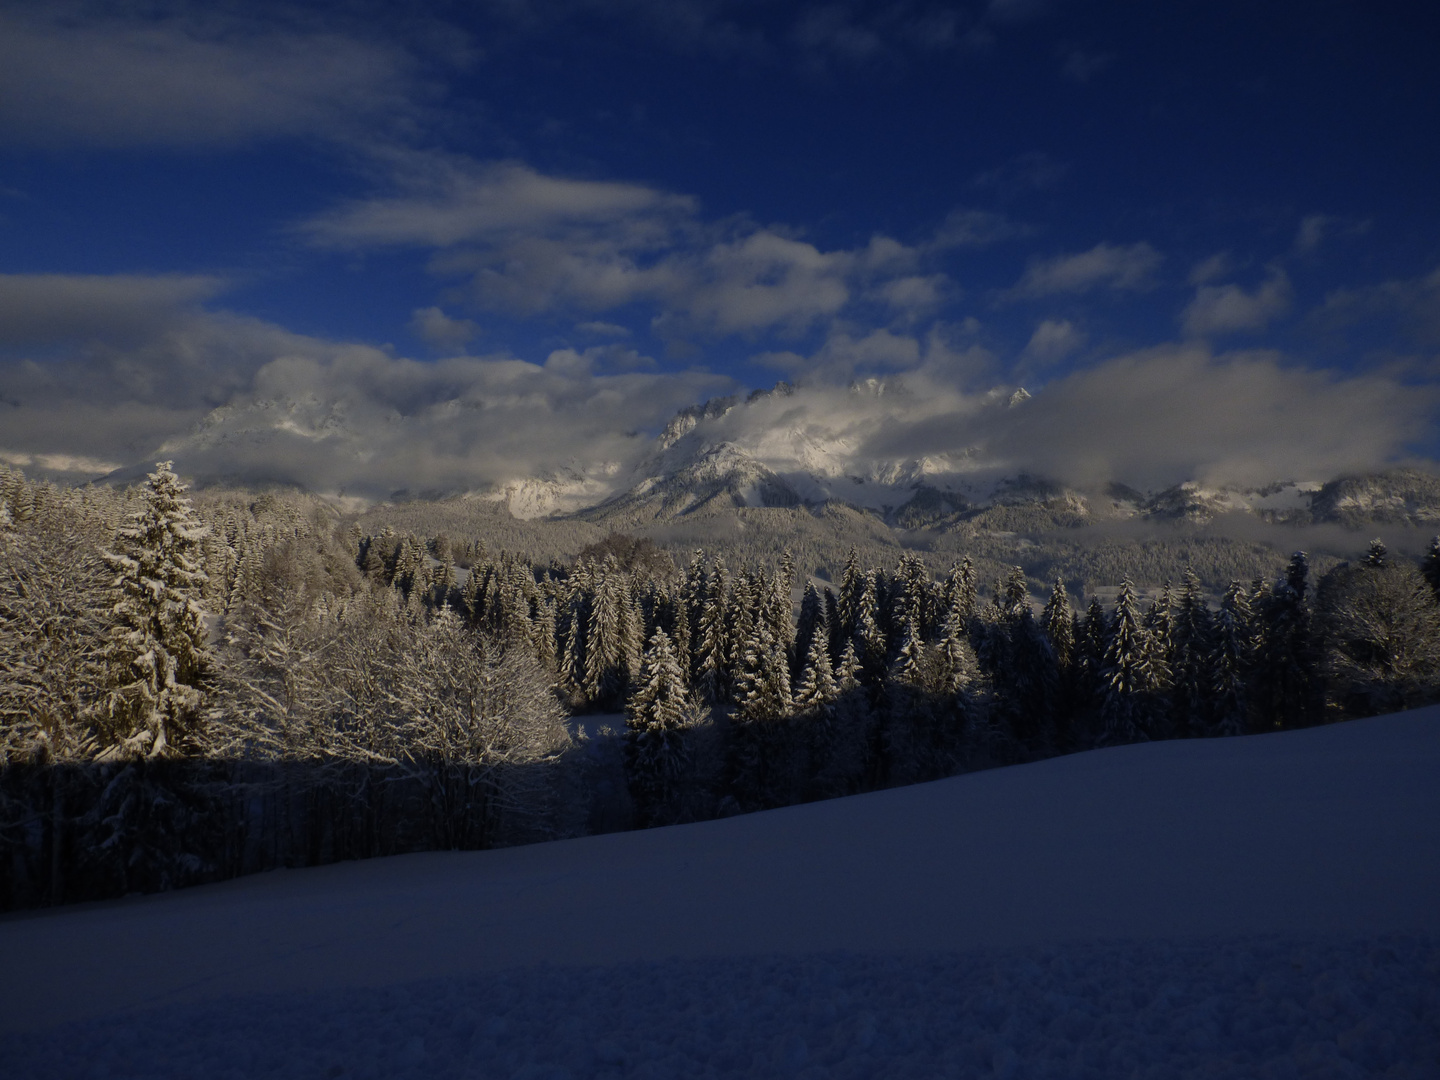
[1110, 444]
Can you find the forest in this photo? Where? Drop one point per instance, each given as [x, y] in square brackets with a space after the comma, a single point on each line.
[194, 687]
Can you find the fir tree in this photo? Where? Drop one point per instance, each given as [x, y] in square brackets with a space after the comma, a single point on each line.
[816, 688]
[1058, 622]
[1192, 648]
[656, 717]
[959, 593]
[1229, 667]
[1286, 675]
[157, 652]
[1126, 706]
[1430, 567]
[1377, 554]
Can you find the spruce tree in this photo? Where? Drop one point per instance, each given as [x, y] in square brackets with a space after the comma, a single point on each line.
[1430, 567]
[1126, 708]
[1058, 622]
[656, 717]
[816, 688]
[1229, 664]
[1192, 649]
[1286, 673]
[157, 652]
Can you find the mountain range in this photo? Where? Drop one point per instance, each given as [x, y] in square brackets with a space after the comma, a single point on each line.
[774, 448]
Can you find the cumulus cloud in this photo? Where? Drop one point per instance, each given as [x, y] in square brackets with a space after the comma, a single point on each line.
[1216, 266]
[40, 309]
[1316, 229]
[1117, 267]
[130, 78]
[1052, 341]
[1411, 303]
[1032, 171]
[439, 330]
[1176, 413]
[1226, 309]
[530, 243]
[96, 372]
[974, 228]
[104, 368]
[366, 423]
[442, 201]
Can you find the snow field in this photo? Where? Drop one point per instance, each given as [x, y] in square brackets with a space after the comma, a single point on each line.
[1279, 1008]
[1254, 907]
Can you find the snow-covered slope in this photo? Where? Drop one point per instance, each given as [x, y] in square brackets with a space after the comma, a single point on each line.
[1201, 888]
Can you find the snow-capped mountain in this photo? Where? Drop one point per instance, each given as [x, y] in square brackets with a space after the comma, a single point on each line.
[782, 447]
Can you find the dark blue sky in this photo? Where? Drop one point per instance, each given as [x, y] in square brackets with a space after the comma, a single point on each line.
[707, 194]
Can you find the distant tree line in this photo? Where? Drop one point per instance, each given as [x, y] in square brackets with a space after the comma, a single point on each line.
[196, 688]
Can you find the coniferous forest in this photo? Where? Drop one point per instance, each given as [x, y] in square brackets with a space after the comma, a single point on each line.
[194, 688]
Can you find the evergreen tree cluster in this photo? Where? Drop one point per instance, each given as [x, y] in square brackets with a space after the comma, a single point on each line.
[192, 688]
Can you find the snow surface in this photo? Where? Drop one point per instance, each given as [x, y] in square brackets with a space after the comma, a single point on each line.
[1267, 906]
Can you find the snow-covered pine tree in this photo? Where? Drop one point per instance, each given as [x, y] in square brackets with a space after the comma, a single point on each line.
[852, 585]
[1228, 670]
[1126, 706]
[712, 663]
[960, 589]
[1058, 622]
[956, 659]
[1430, 567]
[656, 717]
[1192, 651]
[602, 635]
[812, 615]
[1286, 683]
[909, 662]
[1377, 555]
[869, 638]
[1159, 643]
[157, 652]
[816, 688]
[916, 601]
[1014, 595]
[763, 684]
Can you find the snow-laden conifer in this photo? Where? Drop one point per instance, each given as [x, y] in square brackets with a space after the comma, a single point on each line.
[157, 653]
[1058, 622]
[817, 687]
[1228, 670]
[656, 717]
[1126, 705]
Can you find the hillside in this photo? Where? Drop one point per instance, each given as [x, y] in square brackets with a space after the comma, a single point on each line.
[1206, 907]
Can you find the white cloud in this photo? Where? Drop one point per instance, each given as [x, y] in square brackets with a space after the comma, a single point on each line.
[443, 201]
[1413, 303]
[530, 243]
[1225, 309]
[603, 329]
[1032, 171]
[1052, 341]
[973, 228]
[1315, 229]
[39, 309]
[439, 330]
[1176, 413]
[366, 423]
[131, 79]
[1117, 267]
[1216, 266]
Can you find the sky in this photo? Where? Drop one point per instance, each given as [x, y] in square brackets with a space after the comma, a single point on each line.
[523, 234]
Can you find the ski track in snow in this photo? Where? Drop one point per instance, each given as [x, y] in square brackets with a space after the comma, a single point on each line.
[1259, 907]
